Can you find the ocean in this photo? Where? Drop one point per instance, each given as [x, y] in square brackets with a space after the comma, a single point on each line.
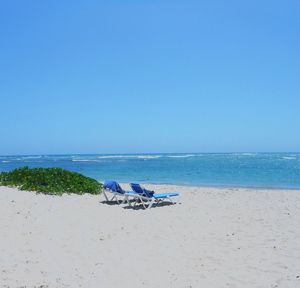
[265, 170]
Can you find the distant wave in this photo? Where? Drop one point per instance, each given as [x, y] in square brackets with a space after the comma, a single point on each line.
[240, 154]
[85, 160]
[182, 156]
[289, 158]
[130, 156]
[30, 157]
[149, 157]
[5, 161]
[146, 156]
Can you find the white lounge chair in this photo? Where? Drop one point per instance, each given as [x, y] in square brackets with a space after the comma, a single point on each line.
[149, 198]
[117, 192]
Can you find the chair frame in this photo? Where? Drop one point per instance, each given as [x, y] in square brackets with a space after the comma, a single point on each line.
[150, 201]
[146, 201]
[115, 195]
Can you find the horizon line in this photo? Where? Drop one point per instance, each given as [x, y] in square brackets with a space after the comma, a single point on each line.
[150, 153]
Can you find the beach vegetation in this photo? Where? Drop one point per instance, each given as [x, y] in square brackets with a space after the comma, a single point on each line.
[53, 181]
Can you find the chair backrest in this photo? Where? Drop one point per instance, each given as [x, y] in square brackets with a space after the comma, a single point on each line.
[113, 186]
[140, 190]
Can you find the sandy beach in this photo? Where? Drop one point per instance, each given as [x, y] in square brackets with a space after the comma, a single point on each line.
[214, 237]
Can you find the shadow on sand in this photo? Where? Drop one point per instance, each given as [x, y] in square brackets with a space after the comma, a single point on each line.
[139, 206]
[114, 202]
[136, 206]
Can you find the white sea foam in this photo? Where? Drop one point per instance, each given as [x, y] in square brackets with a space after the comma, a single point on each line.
[129, 156]
[146, 156]
[30, 157]
[289, 158]
[149, 157]
[5, 161]
[85, 160]
[182, 156]
[240, 154]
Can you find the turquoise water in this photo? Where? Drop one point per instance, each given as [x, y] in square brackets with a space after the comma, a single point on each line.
[274, 170]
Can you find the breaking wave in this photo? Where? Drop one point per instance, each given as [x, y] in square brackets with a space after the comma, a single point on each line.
[130, 157]
[182, 156]
[289, 158]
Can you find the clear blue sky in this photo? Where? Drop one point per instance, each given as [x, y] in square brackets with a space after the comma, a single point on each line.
[149, 76]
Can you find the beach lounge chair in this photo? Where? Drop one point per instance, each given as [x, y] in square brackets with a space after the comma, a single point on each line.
[114, 188]
[148, 197]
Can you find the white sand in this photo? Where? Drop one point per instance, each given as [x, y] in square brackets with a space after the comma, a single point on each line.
[214, 238]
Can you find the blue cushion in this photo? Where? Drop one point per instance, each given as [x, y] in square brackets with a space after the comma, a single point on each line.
[140, 190]
[165, 195]
[113, 185]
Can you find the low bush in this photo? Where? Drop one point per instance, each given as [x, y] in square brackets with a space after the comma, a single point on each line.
[53, 181]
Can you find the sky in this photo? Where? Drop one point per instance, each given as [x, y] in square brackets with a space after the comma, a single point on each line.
[149, 76]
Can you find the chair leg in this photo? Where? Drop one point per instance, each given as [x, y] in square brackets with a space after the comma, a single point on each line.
[106, 198]
[115, 197]
[151, 203]
[170, 200]
[141, 201]
[126, 199]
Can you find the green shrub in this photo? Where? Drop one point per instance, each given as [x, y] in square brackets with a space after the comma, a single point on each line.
[54, 181]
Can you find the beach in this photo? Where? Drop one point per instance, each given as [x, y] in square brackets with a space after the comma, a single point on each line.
[213, 237]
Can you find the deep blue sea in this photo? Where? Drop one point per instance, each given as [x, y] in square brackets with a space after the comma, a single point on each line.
[272, 170]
